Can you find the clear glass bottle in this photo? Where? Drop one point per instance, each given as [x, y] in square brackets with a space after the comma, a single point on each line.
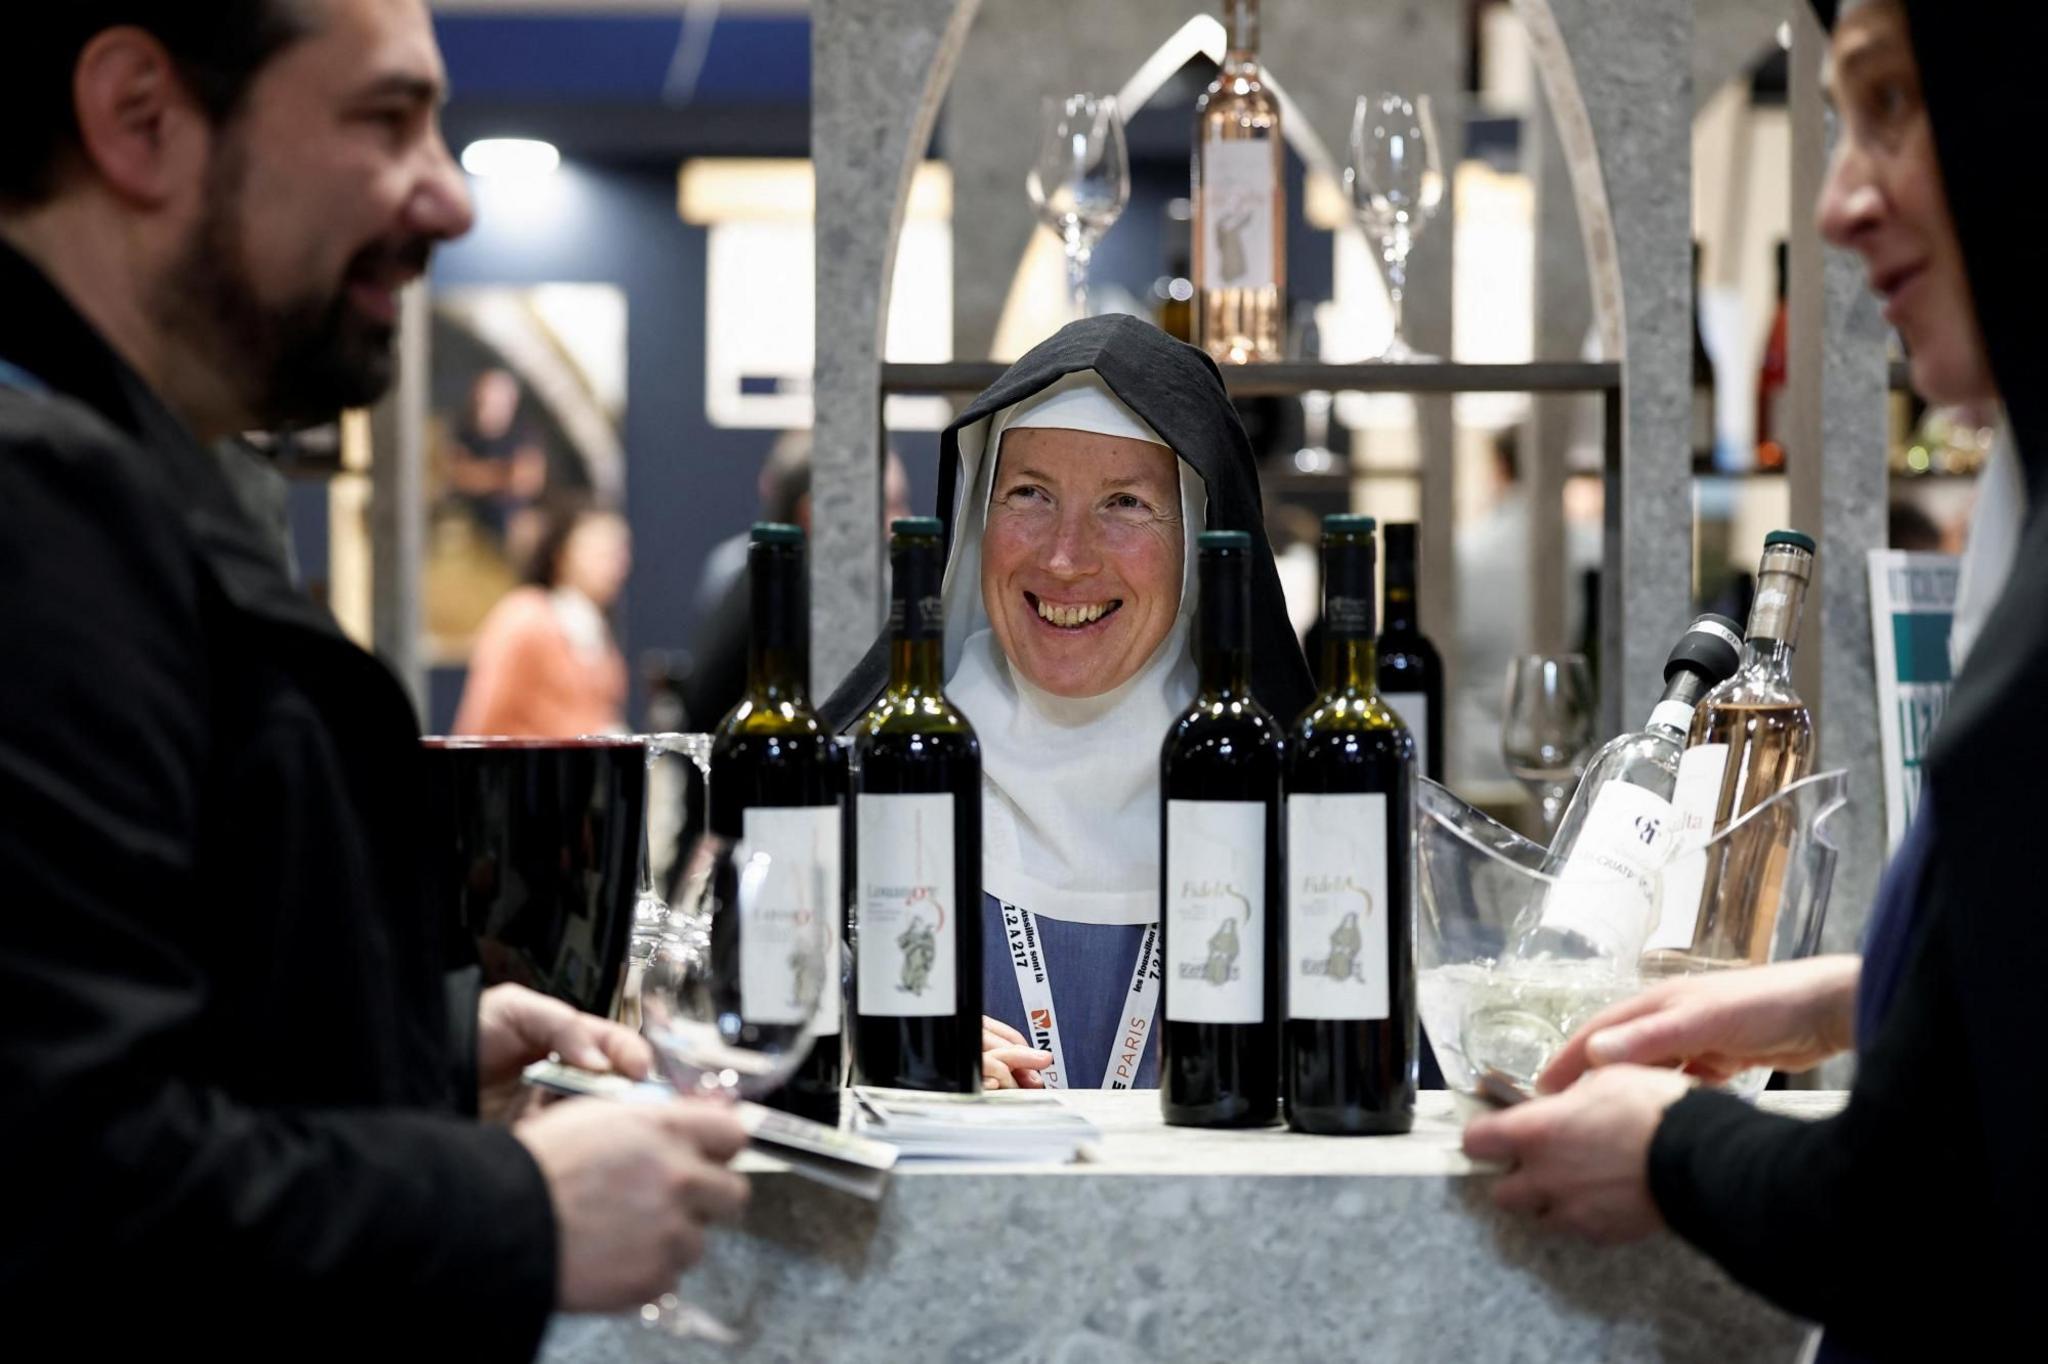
[1240, 204]
[1620, 827]
[1751, 738]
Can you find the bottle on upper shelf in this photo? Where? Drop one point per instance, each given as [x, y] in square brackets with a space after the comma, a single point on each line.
[1704, 425]
[1220, 890]
[778, 785]
[1240, 204]
[1770, 385]
[1752, 737]
[1621, 827]
[1411, 672]
[917, 817]
[1349, 1054]
[1173, 293]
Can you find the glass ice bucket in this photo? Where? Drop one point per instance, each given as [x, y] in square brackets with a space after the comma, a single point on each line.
[1483, 884]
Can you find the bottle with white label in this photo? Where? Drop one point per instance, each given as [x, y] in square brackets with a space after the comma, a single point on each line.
[917, 819]
[1621, 827]
[1240, 203]
[1752, 738]
[778, 786]
[1349, 1047]
[1219, 893]
[1411, 672]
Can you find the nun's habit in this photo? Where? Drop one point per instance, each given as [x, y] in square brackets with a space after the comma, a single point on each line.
[1913, 1224]
[1071, 809]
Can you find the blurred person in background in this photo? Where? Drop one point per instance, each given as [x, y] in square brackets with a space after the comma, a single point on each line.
[250, 1107]
[718, 666]
[496, 465]
[545, 663]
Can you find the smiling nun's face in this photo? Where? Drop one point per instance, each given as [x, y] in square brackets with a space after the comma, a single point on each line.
[1081, 564]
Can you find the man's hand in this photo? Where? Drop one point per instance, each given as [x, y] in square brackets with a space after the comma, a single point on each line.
[516, 1027]
[634, 1188]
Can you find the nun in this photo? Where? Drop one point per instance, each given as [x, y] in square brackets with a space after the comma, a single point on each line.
[1072, 492]
[1911, 1224]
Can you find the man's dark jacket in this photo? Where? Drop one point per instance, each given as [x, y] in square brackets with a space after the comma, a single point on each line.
[232, 1105]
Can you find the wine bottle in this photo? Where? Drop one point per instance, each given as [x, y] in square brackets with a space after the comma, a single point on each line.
[778, 786]
[1773, 374]
[1240, 201]
[917, 935]
[1350, 1040]
[1220, 767]
[1751, 738]
[1411, 672]
[1621, 827]
[1705, 424]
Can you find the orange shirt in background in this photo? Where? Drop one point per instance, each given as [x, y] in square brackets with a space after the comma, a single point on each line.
[528, 678]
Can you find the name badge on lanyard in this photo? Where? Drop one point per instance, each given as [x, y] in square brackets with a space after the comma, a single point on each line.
[1034, 985]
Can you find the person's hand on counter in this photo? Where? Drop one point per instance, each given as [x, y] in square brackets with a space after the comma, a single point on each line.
[1581, 1159]
[517, 1026]
[1007, 1060]
[1789, 1016]
[634, 1190]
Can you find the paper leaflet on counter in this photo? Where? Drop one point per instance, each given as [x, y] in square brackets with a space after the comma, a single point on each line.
[838, 1159]
[1021, 1125]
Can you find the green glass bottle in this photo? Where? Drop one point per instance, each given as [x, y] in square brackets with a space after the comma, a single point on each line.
[1219, 1050]
[778, 783]
[917, 816]
[1349, 1042]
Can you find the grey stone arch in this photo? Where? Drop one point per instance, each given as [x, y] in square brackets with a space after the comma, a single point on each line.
[1617, 77]
[881, 71]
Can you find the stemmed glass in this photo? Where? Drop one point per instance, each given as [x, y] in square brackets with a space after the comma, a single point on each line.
[654, 923]
[1547, 727]
[734, 1022]
[1396, 184]
[1081, 179]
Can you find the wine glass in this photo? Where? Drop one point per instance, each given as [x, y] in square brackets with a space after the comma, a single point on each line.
[1396, 184]
[1081, 179]
[735, 1021]
[1547, 727]
[653, 922]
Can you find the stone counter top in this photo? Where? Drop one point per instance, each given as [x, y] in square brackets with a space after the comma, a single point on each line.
[1174, 1244]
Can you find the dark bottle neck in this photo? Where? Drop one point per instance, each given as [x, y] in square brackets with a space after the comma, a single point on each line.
[779, 647]
[917, 625]
[1350, 654]
[1223, 624]
[1401, 580]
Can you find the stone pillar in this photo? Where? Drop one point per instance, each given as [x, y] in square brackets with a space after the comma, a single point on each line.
[878, 71]
[398, 507]
[1618, 77]
[1836, 461]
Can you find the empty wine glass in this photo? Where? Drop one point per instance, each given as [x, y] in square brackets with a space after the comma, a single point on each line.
[1547, 727]
[736, 1021]
[1081, 179]
[653, 921]
[1396, 183]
